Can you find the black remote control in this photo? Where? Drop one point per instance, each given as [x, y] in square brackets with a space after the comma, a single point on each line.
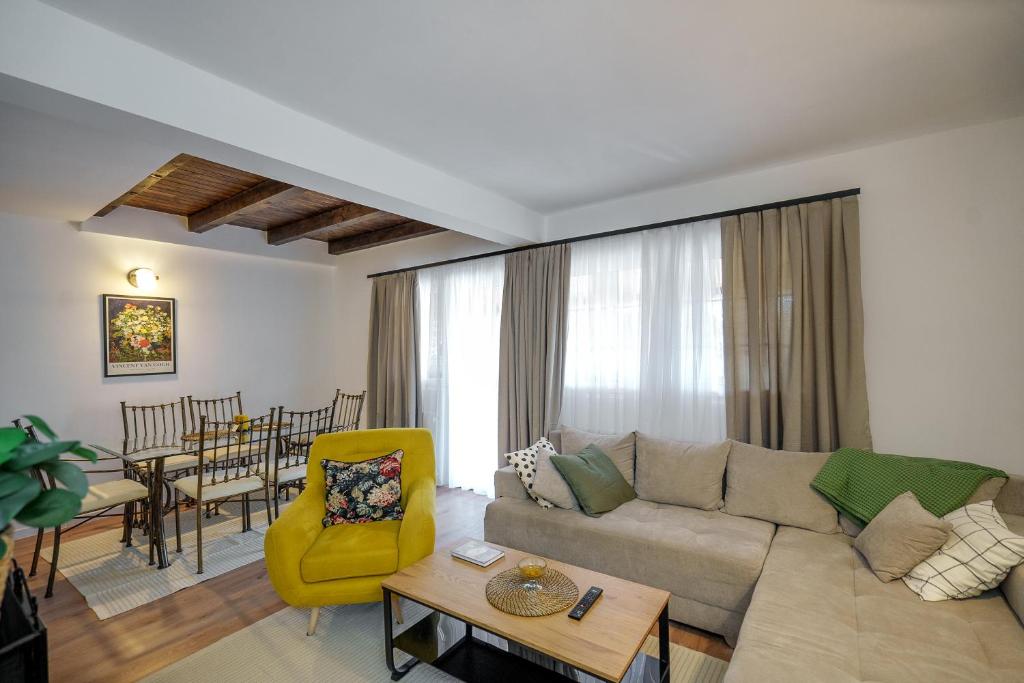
[585, 603]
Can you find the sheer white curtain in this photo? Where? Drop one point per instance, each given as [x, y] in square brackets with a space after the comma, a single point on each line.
[460, 316]
[645, 348]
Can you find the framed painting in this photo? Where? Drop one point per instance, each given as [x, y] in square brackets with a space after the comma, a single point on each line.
[139, 336]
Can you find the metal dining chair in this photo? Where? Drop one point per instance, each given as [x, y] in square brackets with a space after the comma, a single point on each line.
[349, 411]
[233, 459]
[215, 409]
[296, 431]
[101, 498]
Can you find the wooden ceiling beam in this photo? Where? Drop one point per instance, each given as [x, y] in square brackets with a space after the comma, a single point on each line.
[148, 182]
[224, 211]
[376, 238]
[345, 216]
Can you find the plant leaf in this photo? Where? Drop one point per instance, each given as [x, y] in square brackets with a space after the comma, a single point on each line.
[13, 481]
[28, 454]
[11, 438]
[50, 508]
[40, 425]
[68, 474]
[83, 453]
[11, 506]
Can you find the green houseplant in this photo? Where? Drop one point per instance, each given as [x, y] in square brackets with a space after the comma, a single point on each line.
[22, 496]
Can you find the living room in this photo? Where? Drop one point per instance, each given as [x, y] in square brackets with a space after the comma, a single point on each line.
[710, 306]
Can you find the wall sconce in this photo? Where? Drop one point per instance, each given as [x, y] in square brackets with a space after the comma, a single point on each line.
[143, 278]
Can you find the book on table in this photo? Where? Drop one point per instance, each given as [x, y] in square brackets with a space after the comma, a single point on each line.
[477, 552]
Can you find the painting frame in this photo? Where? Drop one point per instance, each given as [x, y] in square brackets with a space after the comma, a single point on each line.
[133, 348]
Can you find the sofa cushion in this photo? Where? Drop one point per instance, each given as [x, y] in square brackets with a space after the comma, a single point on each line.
[1013, 585]
[900, 537]
[680, 473]
[776, 486]
[706, 556]
[345, 551]
[621, 448]
[820, 614]
[977, 556]
[595, 482]
[549, 484]
[524, 463]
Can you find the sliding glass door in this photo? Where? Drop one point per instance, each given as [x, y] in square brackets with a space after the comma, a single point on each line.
[460, 315]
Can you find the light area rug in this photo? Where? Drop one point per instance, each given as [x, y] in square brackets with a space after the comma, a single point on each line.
[349, 646]
[114, 579]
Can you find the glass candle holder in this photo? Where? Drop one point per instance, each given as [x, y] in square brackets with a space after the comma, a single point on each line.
[531, 569]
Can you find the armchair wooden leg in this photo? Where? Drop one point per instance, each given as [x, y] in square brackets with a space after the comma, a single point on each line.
[314, 617]
[396, 608]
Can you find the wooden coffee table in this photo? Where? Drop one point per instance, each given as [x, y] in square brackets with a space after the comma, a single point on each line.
[604, 644]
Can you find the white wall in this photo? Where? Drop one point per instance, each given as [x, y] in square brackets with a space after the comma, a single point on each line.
[258, 324]
[942, 220]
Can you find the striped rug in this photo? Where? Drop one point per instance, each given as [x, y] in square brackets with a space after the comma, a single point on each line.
[349, 646]
[114, 579]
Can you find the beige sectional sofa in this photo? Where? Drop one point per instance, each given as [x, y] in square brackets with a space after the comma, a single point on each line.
[789, 590]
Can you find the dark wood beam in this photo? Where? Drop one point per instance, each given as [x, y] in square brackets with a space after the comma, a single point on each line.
[222, 212]
[348, 215]
[150, 180]
[376, 238]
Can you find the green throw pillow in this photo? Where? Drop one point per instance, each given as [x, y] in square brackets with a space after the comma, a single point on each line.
[595, 481]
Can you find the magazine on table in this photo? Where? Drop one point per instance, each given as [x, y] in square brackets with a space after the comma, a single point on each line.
[478, 552]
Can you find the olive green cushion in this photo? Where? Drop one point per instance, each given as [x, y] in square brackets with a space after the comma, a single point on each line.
[595, 481]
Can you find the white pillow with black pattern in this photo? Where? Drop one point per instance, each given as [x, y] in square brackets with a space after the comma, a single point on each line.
[977, 556]
[524, 463]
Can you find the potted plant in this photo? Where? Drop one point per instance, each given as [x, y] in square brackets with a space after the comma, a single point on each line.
[22, 496]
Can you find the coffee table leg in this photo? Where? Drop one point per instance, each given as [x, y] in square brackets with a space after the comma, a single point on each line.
[389, 637]
[663, 662]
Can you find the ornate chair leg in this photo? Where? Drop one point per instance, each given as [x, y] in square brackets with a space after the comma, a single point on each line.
[35, 555]
[266, 498]
[277, 499]
[53, 562]
[199, 537]
[126, 537]
[177, 521]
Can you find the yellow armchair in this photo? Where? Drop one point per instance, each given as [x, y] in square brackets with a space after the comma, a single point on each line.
[312, 566]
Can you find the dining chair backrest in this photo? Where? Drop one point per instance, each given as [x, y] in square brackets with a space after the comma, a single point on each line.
[230, 450]
[349, 411]
[152, 426]
[296, 432]
[216, 409]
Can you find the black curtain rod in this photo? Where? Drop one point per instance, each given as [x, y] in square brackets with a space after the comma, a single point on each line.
[625, 231]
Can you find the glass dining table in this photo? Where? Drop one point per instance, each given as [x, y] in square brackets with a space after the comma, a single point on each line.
[147, 457]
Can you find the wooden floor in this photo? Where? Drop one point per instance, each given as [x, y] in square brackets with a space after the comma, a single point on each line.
[134, 644]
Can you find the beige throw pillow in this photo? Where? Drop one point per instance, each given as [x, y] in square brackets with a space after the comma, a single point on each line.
[621, 448]
[776, 486]
[900, 537]
[550, 485]
[679, 472]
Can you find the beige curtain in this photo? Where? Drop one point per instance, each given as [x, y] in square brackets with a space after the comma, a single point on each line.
[794, 327]
[532, 355]
[392, 384]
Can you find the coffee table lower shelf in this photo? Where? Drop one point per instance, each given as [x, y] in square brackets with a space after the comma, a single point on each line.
[470, 659]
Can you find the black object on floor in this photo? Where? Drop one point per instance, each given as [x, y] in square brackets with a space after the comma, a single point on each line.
[22, 633]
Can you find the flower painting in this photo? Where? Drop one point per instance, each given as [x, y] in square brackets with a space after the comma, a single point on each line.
[139, 336]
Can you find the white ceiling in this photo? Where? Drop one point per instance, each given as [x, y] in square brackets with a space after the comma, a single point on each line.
[558, 104]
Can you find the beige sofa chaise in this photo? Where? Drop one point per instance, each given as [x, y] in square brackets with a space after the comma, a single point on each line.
[788, 590]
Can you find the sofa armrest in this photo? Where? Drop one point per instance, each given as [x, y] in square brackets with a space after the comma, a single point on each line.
[288, 539]
[416, 535]
[507, 484]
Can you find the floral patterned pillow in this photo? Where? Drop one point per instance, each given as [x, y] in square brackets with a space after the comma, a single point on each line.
[361, 492]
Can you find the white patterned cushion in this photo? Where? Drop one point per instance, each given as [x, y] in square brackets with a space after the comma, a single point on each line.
[977, 556]
[524, 463]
